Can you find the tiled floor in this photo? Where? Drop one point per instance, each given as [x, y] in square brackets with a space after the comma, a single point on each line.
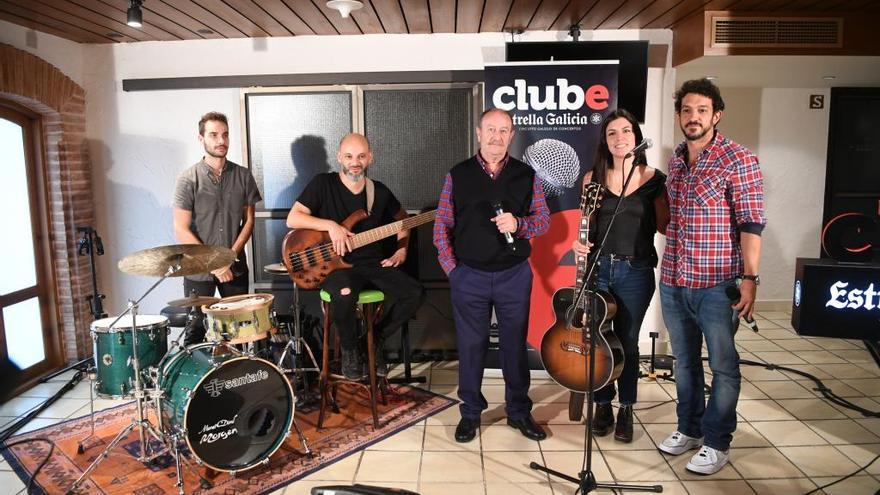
[788, 440]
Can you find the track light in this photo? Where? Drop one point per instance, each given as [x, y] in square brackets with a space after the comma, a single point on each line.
[135, 16]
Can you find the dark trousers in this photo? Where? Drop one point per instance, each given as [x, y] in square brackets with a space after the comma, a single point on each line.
[474, 293]
[631, 282]
[403, 296]
[195, 332]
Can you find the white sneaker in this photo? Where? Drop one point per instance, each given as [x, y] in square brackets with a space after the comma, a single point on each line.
[708, 460]
[678, 443]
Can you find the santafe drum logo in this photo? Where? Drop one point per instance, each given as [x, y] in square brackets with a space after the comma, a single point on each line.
[215, 387]
[561, 97]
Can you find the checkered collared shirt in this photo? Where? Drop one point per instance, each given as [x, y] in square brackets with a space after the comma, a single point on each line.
[533, 225]
[710, 204]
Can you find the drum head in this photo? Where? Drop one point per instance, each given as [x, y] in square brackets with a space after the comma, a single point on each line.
[238, 303]
[239, 414]
[125, 323]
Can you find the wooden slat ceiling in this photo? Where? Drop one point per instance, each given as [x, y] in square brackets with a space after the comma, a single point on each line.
[103, 21]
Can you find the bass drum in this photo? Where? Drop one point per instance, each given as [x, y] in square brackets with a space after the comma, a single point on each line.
[234, 411]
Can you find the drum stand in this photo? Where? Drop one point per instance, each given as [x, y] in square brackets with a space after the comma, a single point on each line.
[295, 345]
[141, 423]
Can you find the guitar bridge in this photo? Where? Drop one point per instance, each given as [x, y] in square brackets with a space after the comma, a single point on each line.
[569, 346]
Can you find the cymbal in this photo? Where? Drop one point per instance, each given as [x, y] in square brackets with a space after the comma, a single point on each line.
[176, 260]
[188, 302]
[275, 269]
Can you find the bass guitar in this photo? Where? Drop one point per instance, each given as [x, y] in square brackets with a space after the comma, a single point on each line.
[308, 254]
[565, 348]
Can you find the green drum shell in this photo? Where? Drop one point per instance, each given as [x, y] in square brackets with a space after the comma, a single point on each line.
[113, 353]
[185, 377]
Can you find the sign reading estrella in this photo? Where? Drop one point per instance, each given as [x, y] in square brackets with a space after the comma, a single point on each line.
[844, 298]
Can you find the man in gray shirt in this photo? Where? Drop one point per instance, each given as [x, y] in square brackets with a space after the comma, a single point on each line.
[214, 205]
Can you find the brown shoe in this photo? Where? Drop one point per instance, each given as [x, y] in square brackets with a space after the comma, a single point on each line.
[624, 430]
[603, 419]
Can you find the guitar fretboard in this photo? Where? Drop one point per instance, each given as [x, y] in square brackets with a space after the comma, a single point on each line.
[391, 229]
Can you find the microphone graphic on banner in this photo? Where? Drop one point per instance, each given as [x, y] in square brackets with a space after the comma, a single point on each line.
[733, 294]
[556, 163]
[645, 144]
[508, 238]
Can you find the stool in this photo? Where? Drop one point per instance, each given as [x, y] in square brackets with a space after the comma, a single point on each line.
[370, 302]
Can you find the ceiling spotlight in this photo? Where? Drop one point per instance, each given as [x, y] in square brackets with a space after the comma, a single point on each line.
[135, 16]
[711, 78]
[345, 6]
[829, 78]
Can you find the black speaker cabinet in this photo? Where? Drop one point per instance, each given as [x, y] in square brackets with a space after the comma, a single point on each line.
[833, 299]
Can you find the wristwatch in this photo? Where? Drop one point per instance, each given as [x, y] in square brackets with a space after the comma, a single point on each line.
[754, 278]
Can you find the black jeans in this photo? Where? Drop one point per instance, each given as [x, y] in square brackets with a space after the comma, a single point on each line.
[195, 333]
[403, 296]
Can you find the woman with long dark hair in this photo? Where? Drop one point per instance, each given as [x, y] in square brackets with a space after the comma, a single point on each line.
[626, 264]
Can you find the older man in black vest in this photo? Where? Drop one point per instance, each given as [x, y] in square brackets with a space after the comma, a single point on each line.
[491, 204]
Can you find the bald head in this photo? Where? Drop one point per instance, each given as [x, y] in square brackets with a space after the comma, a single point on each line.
[497, 113]
[354, 156]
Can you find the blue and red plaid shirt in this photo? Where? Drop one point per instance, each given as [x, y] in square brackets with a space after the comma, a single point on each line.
[710, 204]
[536, 223]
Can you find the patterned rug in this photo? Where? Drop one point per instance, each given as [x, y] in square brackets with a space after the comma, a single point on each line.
[121, 473]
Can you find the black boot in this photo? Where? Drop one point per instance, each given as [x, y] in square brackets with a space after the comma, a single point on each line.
[603, 419]
[624, 430]
[352, 365]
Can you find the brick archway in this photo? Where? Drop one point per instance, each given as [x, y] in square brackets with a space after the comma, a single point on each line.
[41, 87]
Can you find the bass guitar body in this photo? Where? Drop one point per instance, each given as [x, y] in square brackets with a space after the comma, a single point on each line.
[566, 352]
[309, 255]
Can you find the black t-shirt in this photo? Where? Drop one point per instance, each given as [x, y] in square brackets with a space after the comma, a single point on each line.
[327, 197]
[636, 223]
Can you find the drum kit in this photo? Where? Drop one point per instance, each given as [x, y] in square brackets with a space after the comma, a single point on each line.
[218, 400]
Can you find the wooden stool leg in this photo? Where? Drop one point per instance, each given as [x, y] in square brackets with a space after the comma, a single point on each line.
[323, 383]
[371, 357]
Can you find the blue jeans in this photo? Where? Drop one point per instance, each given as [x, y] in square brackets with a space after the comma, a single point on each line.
[631, 282]
[692, 315]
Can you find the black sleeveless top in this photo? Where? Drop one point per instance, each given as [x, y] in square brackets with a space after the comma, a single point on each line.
[636, 223]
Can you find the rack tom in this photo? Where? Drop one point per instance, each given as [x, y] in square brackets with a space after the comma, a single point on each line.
[114, 351]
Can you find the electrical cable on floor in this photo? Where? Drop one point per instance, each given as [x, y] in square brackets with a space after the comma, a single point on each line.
[34, 411]
[850, 475]
[42, 463]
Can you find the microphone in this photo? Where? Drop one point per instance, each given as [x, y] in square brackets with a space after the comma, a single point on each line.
[733, 294]
[556, 163]
[645, 144]
[508, 238]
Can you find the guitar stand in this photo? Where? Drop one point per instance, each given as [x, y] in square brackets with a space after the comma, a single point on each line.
[586, 481]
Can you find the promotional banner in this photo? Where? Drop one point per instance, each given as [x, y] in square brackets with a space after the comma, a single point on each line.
[557, 110]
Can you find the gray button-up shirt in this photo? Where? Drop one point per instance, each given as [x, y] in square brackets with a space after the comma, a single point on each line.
[216, 205]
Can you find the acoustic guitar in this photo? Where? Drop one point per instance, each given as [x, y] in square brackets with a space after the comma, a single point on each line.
[308, 254]
[565, 348]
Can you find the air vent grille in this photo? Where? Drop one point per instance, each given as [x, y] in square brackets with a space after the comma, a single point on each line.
[776, 33]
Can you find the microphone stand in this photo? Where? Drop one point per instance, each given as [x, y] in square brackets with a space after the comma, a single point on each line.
[586, 481]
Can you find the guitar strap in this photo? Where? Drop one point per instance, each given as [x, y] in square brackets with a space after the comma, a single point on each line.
[371, 192]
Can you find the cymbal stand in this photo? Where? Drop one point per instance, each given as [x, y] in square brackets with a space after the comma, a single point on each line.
[141, 423]
[92, 374]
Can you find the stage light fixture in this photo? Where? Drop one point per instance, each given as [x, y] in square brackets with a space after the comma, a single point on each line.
[345, 6]
[135, 16]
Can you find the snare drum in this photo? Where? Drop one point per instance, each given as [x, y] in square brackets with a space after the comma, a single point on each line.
[234, 411]
[114, 351]
[240, 319]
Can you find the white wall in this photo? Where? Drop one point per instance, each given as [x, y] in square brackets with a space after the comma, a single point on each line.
[64, 54]
[141, 140]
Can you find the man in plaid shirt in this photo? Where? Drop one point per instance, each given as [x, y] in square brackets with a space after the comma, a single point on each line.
[713, 244]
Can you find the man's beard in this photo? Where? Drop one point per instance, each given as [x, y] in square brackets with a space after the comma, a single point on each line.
[354, 177]
[216, 154]
[697, 137]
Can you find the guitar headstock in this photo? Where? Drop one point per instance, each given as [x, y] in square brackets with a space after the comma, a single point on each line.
[591, 198]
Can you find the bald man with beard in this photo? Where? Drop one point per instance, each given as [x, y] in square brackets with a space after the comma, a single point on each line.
[324, 204]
